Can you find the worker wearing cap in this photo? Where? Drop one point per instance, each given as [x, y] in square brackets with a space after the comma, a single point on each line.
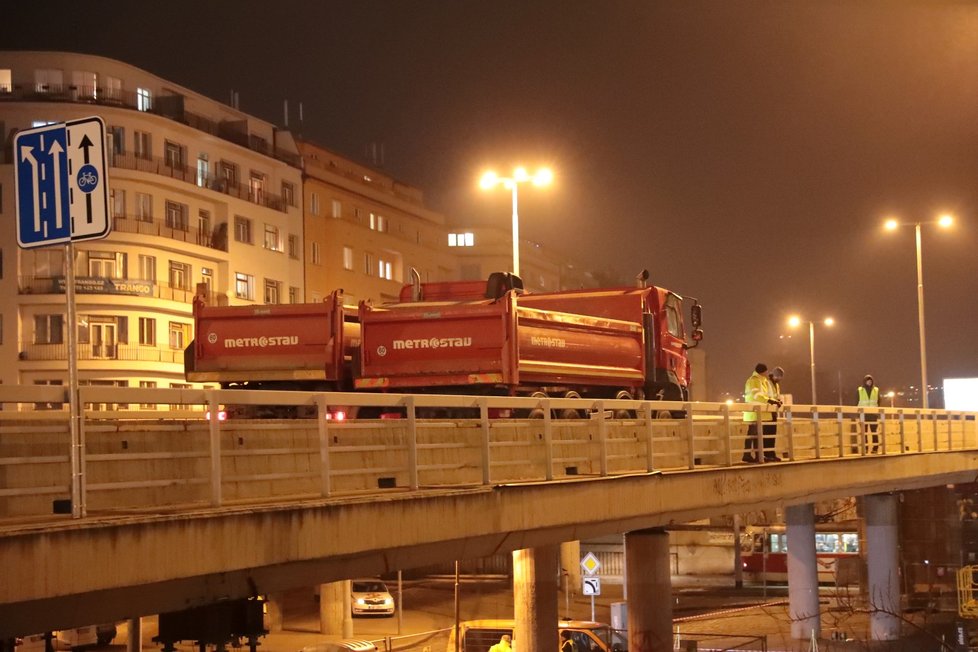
[868, 395]
[757, 389]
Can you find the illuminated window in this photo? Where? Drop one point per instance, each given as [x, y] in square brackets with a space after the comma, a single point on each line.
[144, 99]
[384, 269]
[466, 239]
[144, 207]
[180, 275]
[273, 240]
[5, 83]
[244, 286]
[178, 335]
[348, 258]
[337, 208]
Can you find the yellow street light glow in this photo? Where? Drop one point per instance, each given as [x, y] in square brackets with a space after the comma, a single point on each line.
[794, 321]
[543, 177]
[891, 225]
[890, 394]
[829, 321]
[488, 180]
[945, 221]
[520, 175]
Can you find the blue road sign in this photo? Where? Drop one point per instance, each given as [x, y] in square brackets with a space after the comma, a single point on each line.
[61, 184]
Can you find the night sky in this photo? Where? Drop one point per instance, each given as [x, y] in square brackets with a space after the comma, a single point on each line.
[746, 153]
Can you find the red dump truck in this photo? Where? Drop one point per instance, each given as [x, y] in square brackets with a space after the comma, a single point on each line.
[609, 343]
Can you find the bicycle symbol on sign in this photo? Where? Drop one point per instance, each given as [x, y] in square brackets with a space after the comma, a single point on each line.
[87, 178]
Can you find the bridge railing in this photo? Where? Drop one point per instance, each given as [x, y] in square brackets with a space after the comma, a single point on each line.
[150, 449]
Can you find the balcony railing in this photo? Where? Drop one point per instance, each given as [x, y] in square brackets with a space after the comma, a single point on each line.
[86, 352]
[216, 238]
[105, 285]
[176, 170]
[167, 106]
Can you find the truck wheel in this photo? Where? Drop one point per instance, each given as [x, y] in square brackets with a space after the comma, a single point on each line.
[623, 414]
[568, 413]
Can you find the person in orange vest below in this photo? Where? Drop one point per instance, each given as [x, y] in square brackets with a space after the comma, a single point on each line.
[868, 395]
[757, 389]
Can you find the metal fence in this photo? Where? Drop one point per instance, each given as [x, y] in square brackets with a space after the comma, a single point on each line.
[189, 456]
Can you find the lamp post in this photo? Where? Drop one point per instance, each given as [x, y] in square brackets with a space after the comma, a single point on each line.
[542, 177]
[944, 221]
[795, 321]
[891, 395]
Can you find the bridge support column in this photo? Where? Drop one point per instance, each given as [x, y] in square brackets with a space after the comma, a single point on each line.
[649, 583]
[134, 641]
[803, 606]
[882, 564]
[535, 599]
[335, 610]
[570, 571]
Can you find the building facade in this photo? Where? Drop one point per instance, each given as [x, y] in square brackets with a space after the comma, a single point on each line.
[199, 193]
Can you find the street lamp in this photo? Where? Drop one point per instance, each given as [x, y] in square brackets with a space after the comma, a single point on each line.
[795, 321]
[890, 395]
[542, 177]
[944, 221]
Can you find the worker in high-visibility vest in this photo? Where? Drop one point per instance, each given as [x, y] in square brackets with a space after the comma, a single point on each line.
[769, 430]
[757, 389]
[868, 395]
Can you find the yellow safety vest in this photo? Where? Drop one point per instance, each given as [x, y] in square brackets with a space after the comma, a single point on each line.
[758, 389]
[869, 399]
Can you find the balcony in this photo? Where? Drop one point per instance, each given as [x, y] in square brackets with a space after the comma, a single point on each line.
[87, 352]
[176, 170]
[214, 238]
[167, 106]
[104, 285]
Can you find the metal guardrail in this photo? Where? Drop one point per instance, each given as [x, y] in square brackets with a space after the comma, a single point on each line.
[178, 457]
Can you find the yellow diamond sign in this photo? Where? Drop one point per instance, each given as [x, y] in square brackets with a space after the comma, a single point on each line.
[590, 564]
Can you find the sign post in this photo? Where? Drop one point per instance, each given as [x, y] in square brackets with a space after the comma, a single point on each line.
[591, 582]
[61, 189]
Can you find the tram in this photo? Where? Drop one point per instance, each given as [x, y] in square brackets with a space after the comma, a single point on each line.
[764, 551]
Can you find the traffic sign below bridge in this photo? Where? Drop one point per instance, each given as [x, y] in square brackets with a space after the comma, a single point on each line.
[61, 183]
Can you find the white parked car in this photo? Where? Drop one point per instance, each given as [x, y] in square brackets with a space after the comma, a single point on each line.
[370, 596]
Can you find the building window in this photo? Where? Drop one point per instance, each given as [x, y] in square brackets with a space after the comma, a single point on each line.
[337, 208]
[378, 223]
[316, 256]
[176, 216]
[204, 222]
[244, 286]
[207, 277]
[173, 154]
[256, 187]
[5, 80]
[293, 246]
[314, 203]
[230, 173]
[180, 275]
[144, 207]
[242, 229]
[357, 214]
[368, 264]
[288, 193]
[147, 331]
[273, 290]
[118, 199]
[293, 294]
[461, 239]
[178, 335]
[384, 269]
[144, 99]
[49, 329]
[48, 80]
[142, 145]
[348, 258]
[203, 170]
[112, 88]
[273, 241]
[147, 268]
[102, 264]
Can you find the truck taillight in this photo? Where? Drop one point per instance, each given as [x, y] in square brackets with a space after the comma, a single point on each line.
[339, 415]
[222, 415]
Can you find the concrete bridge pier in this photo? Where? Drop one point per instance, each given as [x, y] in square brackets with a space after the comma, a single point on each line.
[275, 604]
[535, 599]
[803, 606]
[134, 641]
[649, 586]
[335, 609]
[882, 566]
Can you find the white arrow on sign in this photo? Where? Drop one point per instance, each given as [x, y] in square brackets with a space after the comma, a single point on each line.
[27, 154]
[56, 151]
[592, 586]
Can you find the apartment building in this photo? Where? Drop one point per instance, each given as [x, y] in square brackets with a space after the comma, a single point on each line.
[365, 231]
[200, 192]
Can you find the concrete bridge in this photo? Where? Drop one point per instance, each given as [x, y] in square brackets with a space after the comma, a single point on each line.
[174, 509]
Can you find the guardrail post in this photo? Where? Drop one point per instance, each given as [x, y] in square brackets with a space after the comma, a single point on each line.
[690, 434]
[728, 434]
[862, 431]
[649, 439]
[933, 421]
[883, 432]
[412, 433]
[215, 449]
[322, 412]
[841, 422]
[903, 432]
[816, 432]
[602, 436]
[484, 424]
[920, 431]
[790, 426]
[548, 439]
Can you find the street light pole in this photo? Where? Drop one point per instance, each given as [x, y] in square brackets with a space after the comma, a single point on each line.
[516, 233]
[920, 320]
[811, 349]
[490, 179]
